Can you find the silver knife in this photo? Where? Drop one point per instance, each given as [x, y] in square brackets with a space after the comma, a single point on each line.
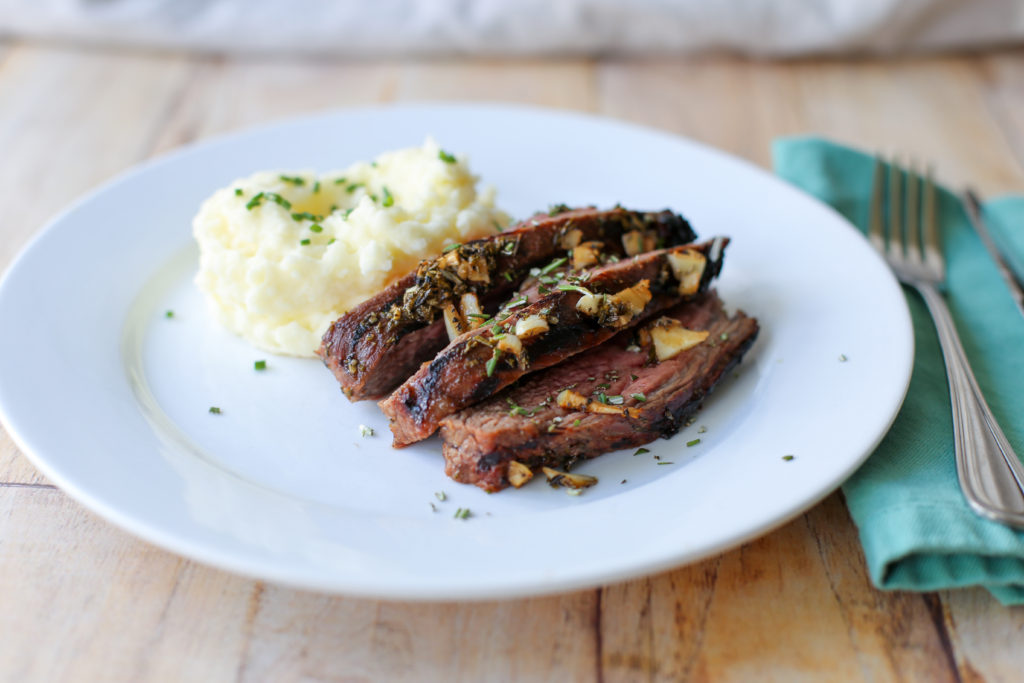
[974, 212]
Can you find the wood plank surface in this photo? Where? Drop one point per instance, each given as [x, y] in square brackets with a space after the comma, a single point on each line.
[85, 601]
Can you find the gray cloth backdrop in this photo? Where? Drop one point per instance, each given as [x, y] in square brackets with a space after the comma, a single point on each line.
[524, 27]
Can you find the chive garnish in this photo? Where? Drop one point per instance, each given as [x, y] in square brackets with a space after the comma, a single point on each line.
[353, 187]
[451, 247]
[639, 397]
[214, 410]
[255, 201]
[388, 199]
[665, 462]
[462, 513]
[373, 196]
[306, 216]
[339, 181]
[293, 179]
[331, 241]
[238, 192]
[507, 275]
[365, 431]
[554, 264]
[316, 187]
[441, 496]
[493, 362]
[787, 458]
[304, 242]
[521, 301]
[260, 365]
[347, 212]
[693, 443]
[615, 400]
[316, 227]
[576, 422]
[445, 157]
[641, 451]
[169, 314]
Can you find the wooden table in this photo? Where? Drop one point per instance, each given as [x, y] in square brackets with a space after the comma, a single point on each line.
[84, 601]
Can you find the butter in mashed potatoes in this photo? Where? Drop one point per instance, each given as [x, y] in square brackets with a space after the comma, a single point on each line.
[284, 254]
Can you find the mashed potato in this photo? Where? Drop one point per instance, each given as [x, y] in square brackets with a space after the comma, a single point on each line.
[283, 254]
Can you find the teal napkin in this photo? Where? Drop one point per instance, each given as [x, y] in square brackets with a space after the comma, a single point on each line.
[916, 528]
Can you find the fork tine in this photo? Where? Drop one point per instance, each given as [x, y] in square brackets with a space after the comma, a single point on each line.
[875, 218]
[913, 228]
[932, 248]
[895, 209]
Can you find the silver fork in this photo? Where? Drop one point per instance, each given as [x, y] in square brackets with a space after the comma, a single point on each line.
[991, 474]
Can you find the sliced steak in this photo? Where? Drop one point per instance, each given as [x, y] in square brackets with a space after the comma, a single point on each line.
[527, 425]
[533, 336]
[381, 342]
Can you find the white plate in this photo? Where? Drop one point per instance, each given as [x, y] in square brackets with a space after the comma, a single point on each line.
[109, 398]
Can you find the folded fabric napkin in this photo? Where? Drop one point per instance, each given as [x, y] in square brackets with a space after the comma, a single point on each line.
[917, 530]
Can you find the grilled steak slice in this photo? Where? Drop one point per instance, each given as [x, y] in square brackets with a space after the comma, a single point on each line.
[527, 425]
[378, 344]
[533, 336]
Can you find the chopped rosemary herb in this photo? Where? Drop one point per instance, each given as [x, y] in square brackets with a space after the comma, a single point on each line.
[259, 365]
[215, 410]
[693, 443]
[445, 157]
[787, 458]
[441, 496]
[169, 314]
[238, 192]
[316, 227]
[638, 396]
[521, 301]
[294, 180]
[451, 247]
[575, 288]
[388, 199]
[304, 242]
[493, 362]
[641, 451]
[554, 264]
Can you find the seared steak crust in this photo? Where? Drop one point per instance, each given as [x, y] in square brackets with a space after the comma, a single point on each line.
[381, 342]
[473, 367]
[525, 423]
